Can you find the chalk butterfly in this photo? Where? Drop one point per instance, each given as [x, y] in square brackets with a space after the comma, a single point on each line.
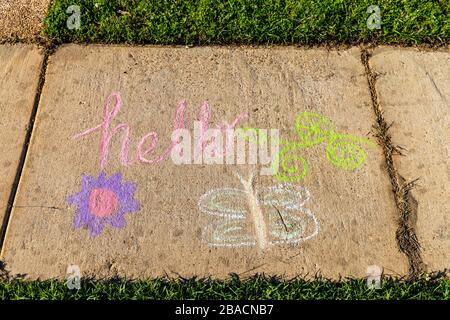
[258, 217]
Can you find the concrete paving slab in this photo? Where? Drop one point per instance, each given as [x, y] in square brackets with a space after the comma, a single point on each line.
[114, 206]
[22, 18]
[19, 76]
[414, 91]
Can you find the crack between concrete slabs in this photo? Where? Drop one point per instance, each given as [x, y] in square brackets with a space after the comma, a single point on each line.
[405, 203]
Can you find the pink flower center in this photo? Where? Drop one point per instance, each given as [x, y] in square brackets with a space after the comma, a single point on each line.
[103, 202]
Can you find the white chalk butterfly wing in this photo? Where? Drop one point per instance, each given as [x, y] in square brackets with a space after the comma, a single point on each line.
[288, 220]
[292, 226]
[285, 195]
[228, 233]
[225, 202]
[232, 229]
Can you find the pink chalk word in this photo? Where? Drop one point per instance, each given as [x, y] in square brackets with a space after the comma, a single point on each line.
[148, 142]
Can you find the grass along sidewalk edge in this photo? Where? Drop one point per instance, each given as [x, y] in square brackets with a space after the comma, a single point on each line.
[255, 288]
[207, 22]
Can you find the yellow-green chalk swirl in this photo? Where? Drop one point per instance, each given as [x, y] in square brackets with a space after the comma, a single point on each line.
[291, 166]
[345, 151]
[312, 128]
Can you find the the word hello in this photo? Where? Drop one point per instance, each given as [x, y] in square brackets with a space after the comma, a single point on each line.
[221, 145]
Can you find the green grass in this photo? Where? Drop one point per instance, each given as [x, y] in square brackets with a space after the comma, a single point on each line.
[198, 22]
[234, 288]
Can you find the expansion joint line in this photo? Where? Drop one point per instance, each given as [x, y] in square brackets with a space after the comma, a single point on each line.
[406, 205]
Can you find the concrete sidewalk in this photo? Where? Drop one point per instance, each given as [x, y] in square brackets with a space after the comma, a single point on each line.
[126, 209]
[414, 90]
[19, 75]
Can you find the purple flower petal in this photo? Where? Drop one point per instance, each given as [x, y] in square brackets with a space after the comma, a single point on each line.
[96, 227]
[87, 182]
[131, 206]
[117, 221]
[73, 199]
[78, 221]
[115, 179]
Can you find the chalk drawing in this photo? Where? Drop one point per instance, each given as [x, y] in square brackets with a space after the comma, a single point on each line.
[344, 151]
[258, 217]
[221, 202]
[103, 201]
[291, 166]
[231, 233]
[312, 128]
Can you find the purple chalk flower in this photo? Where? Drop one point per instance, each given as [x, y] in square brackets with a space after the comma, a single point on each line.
[103, 200]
